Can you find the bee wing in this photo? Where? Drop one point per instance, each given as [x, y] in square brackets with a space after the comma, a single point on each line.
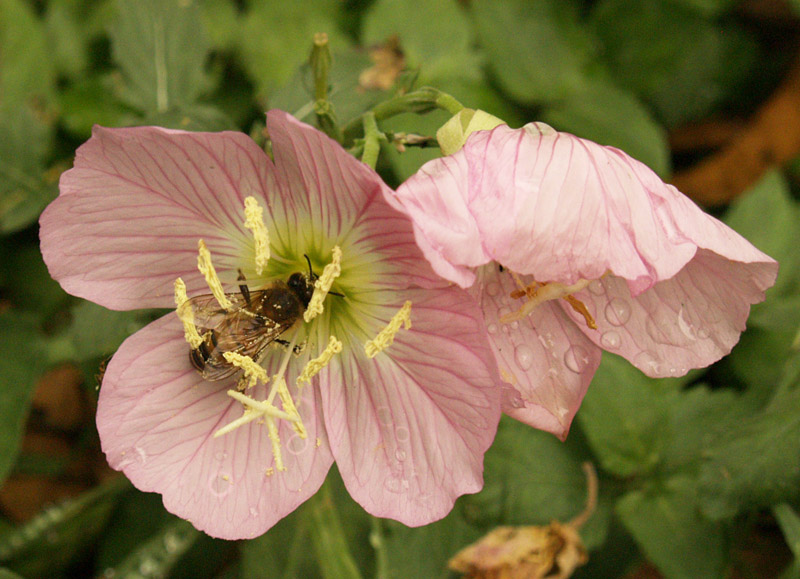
[208, 314]
[236, 330]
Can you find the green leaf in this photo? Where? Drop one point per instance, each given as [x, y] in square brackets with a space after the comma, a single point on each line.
[425, 551]
[192, 118]
[96, 331]
[328, 537]
[789, 522]
[276, 38]
[53, 538]
[19, 368]
[282, 552]
[91, 101]
[756, 463]
[7, 574]
[670, 529]
[161, 48]
[698, 417]
[770, 201]
[532, 478]
[25, 188]
[27, 75]
[708, 7]
[68, 36]
[538, 50]
[221, 20]
[608, 115]
[433, 35]
[680, 62]
[158, 555]
[625, 416]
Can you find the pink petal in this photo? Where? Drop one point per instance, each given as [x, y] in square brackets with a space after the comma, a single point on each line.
[409, 428]
[562, 209]
[436, 200]
[689, 321]
[132, 209]
[335, 199]
[156, 416]
[547, 360]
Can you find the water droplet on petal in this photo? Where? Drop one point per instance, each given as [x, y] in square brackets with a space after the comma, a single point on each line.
[402, 434]
[596, 287]
[685, 325]
[648, 363]
[617, 312]
[396, 485]
[523, 355]
[141, 455]
[297, 444]
[610, 340]
[220, 484]
[703, 333]
[492, 328]
[384, 415]
[253, 512]
[576, 359]
[400, 454]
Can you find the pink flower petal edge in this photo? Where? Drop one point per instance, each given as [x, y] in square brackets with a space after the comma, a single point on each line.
[668, 286]
[409, 429]
[156, 417]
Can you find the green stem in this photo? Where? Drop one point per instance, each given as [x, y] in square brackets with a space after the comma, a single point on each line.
[372, 140]
[328, 538]
[421, 101]
[377, 542]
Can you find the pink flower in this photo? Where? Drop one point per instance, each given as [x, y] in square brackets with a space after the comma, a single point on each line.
[572, 247]
[407, 428]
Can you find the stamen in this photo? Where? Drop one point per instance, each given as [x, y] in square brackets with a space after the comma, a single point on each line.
[541, 293]
[580, 307]
[207, 269]
[252, 371]
[323, 285]
[386, 336]
[186, 315]
[254, 221]
[313, 367]
[275, 439]
[253, 409]
[290, 408]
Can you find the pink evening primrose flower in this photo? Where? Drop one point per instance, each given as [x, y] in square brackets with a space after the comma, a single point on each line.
[572, 247]
[404, 398]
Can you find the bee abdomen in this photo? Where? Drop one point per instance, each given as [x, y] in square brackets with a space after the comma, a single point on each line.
[199, 356]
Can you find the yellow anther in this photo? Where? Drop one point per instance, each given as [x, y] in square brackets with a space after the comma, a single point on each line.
[323, 285]
[207, 269]
[313, 367]
[275, 439]
[290, 408]
[252, 371]
[538, 293]
[186, 315]
[386, 336]
[254, 221]
[253, 410]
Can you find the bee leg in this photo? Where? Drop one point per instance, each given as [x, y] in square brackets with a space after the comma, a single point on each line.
[298, 348]
[199, 356]
[244, 289]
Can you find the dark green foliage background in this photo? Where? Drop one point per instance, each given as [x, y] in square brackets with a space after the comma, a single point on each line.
[686, 466]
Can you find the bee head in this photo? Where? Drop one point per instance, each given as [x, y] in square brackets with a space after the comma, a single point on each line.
[302, 285]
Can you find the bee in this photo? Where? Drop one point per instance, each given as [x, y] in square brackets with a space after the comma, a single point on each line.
[256, 320]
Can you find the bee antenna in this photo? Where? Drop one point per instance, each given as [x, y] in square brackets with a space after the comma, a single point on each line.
[310, 269]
